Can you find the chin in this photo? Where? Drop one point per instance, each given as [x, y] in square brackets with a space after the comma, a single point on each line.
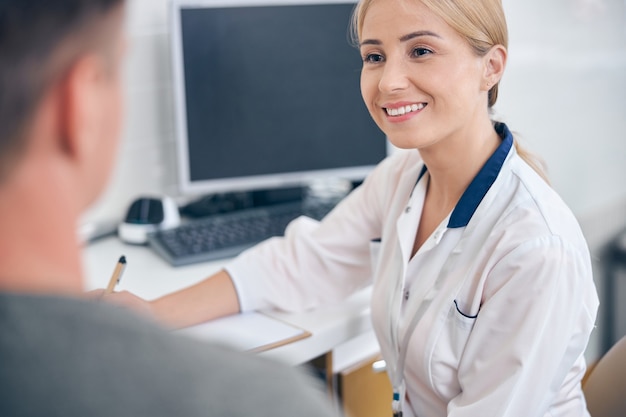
[406, 143]
[414, 139]
[93, 193]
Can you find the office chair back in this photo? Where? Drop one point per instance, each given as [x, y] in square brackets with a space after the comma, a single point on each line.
[605, 387]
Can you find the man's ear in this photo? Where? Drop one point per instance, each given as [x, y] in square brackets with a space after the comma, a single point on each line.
[494, 65]
[81, 111]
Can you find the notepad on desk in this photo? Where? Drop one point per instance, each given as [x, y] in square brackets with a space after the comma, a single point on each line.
[253, 332]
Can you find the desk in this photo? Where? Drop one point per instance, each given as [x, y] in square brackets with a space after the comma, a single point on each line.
[148, 276]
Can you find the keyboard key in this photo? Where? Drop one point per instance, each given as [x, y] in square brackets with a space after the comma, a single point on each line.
[225, 235]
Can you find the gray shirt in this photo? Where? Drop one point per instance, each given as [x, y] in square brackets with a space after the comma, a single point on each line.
[67, 357]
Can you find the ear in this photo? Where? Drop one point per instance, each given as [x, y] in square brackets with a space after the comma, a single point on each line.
[81, 110]
[494, 65]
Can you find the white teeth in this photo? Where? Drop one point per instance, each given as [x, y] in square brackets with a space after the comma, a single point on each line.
[404, 110]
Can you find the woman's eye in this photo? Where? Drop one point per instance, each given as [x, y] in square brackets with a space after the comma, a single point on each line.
[418, 52]
[373, 58]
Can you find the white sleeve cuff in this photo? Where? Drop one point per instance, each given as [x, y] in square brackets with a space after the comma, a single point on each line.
[247, 283]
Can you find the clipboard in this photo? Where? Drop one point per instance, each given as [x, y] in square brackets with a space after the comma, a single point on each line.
[249, 332]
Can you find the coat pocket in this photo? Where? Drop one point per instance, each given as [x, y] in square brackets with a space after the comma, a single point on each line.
[375, 245]
[449, 348]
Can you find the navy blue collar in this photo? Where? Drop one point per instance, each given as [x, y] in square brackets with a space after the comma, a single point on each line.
[482, 182]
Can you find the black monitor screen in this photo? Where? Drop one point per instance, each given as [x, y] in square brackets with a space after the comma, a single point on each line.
[273, 90]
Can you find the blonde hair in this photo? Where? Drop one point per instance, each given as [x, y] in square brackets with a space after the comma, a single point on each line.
[483, 25]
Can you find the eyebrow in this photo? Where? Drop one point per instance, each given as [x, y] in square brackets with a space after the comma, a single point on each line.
[404, 38]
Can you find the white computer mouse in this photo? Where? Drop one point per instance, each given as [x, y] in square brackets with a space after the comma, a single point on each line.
[147, 215]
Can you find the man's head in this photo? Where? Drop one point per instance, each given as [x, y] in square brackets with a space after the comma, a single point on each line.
[66, 52]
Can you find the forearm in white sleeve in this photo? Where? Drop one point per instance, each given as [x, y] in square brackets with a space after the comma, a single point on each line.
[314, 263]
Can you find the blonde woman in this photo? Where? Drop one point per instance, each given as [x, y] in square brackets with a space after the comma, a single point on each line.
[483, 298]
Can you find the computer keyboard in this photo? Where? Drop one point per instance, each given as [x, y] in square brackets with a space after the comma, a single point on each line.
[227, 234]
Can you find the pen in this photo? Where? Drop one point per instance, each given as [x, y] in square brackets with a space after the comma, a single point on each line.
[117, 274]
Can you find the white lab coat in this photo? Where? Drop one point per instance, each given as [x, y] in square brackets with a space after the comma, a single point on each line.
[503, 287]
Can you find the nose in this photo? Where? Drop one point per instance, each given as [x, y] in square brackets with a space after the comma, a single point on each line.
[394, 76]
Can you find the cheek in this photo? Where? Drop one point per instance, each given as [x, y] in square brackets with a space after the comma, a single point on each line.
[369, 91]
[468, 79]
[117, 113]
[110, 137]
[113, 138]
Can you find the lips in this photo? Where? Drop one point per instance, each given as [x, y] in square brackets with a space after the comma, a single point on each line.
[396, 111]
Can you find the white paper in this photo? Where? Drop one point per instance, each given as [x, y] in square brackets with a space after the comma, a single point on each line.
[245, 332]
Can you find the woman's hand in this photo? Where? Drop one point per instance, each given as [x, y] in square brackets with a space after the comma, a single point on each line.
[209, 299]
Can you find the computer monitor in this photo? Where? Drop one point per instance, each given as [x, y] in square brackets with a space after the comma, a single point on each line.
[267, 95]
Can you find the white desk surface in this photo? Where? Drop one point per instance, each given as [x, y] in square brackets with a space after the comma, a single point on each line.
[149, 276]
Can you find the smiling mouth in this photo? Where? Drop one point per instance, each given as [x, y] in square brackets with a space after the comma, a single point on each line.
[401, 111]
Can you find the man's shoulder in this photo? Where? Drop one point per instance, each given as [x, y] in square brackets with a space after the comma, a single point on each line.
[49, 325]
[98, 352]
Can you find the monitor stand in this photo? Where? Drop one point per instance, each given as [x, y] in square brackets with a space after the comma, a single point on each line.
[324, 190]
[233, 201]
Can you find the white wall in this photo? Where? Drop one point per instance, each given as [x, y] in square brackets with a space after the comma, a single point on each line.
[564, 93]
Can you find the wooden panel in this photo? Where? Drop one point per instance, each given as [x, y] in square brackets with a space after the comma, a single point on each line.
[365, 393]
